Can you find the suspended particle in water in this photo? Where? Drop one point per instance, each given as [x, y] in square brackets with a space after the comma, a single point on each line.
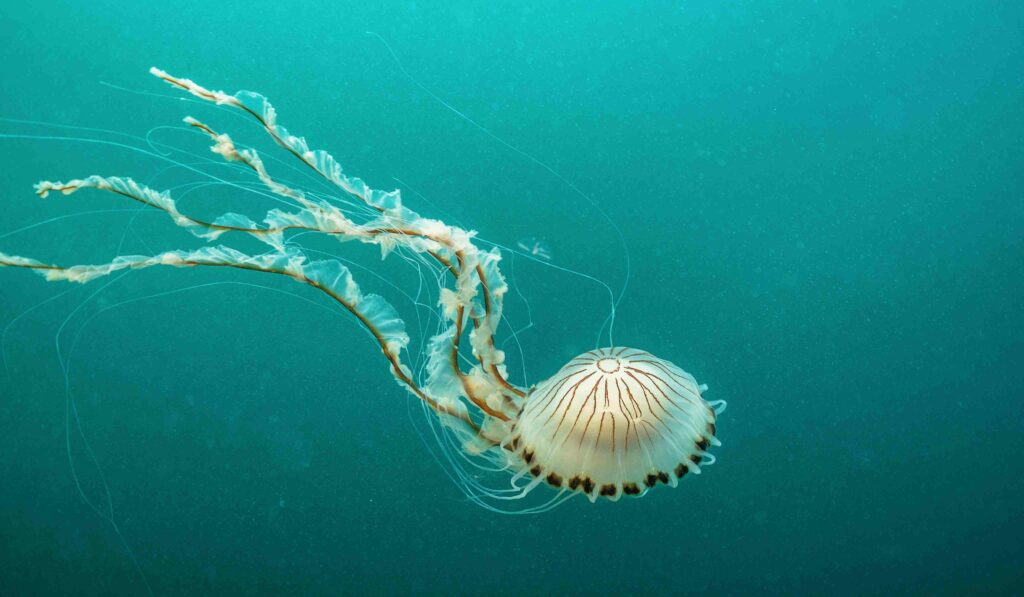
[535, 248]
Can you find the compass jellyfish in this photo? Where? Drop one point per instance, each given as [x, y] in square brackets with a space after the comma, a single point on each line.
[612, 422]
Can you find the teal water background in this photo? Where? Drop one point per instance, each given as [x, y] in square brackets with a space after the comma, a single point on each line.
[823, 208]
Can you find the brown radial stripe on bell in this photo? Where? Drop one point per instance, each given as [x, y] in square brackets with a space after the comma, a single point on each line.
[681, 470]
[588, 486]
[609, 490]
[695, 458]
[575, 482]
[663, 477]
[528, 456]
[703, 443]
[536, 471]
[651, 480]
[554, 480]
[711, 429]
[630, 489]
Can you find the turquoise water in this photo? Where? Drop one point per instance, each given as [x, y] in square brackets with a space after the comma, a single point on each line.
[822, 205]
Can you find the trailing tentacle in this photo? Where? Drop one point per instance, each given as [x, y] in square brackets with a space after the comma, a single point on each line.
[476, 296]
[328, 276]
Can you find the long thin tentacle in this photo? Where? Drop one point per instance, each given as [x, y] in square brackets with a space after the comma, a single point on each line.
[328, 276]
[475, 298]
[390, 229]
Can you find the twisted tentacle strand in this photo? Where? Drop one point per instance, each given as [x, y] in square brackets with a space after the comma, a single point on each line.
[396, 225]
[476, 297]
[328, 276]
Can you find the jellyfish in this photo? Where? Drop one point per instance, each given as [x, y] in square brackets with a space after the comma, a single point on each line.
[613, 422]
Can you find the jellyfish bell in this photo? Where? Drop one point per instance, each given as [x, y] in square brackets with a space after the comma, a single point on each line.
[612, 422]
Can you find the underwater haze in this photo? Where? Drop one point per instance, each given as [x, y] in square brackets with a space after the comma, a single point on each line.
[818, 207]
